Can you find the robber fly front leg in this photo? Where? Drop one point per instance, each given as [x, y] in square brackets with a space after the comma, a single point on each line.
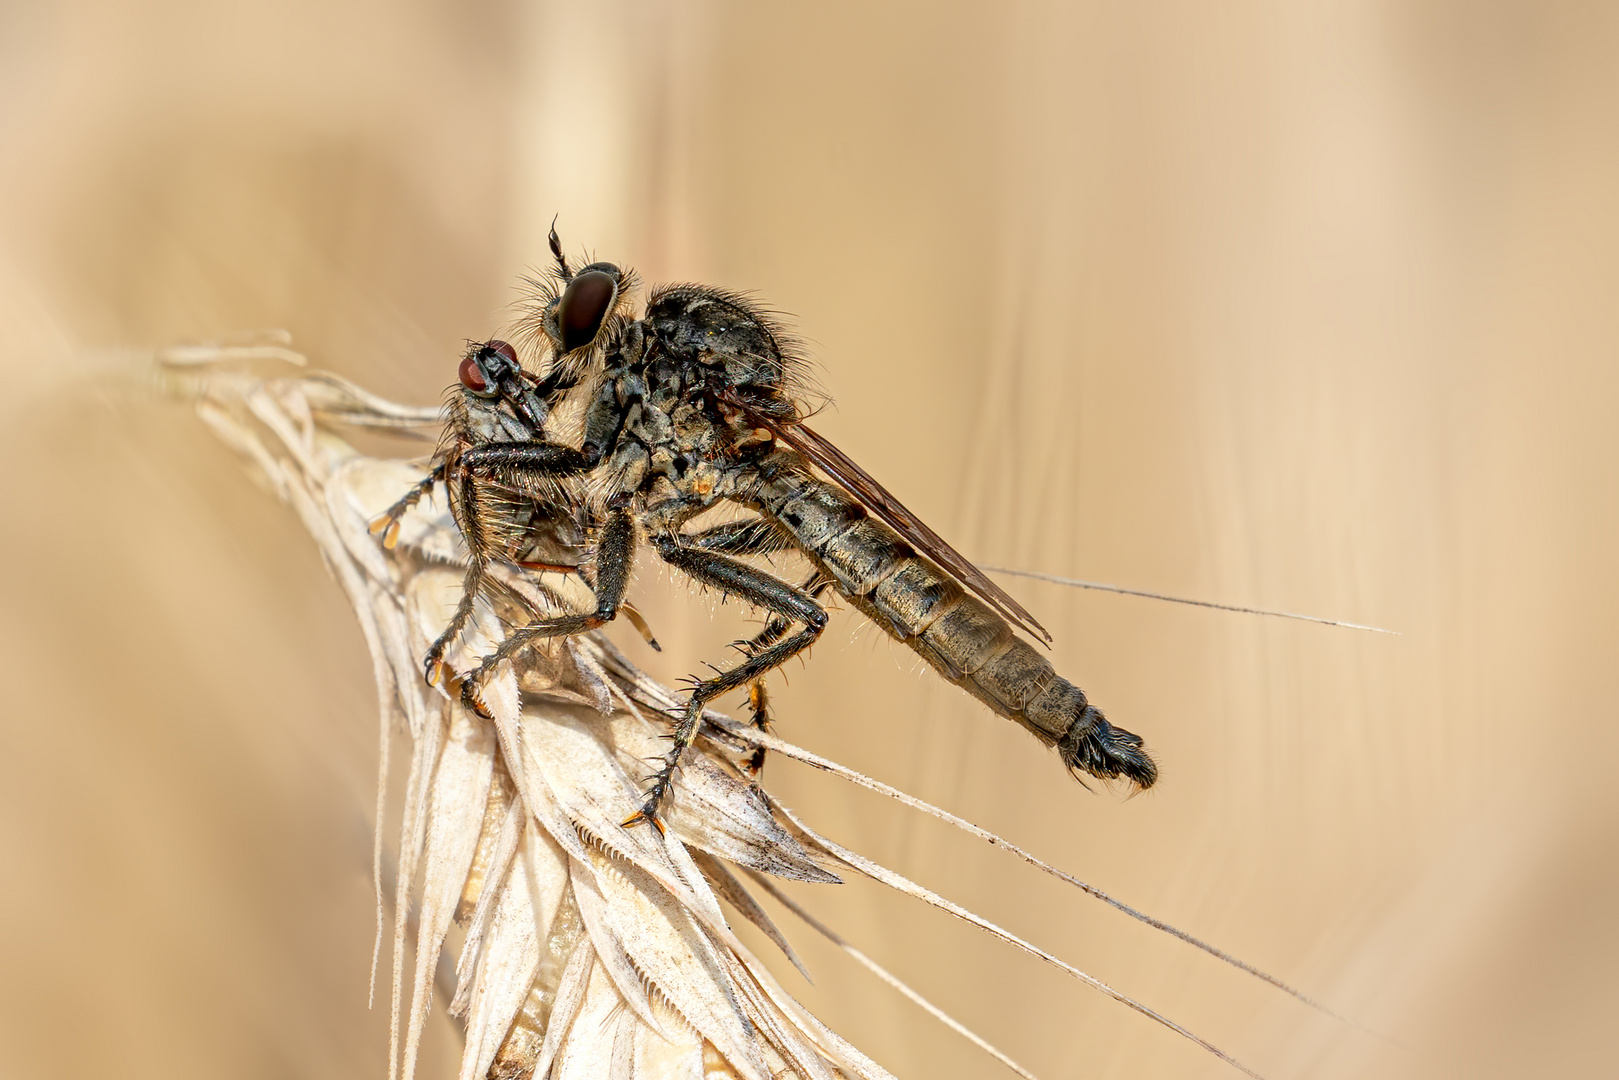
[756, 587]
[503, 466]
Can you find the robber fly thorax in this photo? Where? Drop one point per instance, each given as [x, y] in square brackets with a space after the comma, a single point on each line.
[694, 404]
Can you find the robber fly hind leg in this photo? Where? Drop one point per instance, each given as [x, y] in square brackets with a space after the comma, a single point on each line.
[615, 554]
[756, 587]
[751, 536]
[815, 586]
[757, 536]
[775, 629]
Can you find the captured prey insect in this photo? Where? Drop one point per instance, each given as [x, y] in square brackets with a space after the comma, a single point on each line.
[695, 403]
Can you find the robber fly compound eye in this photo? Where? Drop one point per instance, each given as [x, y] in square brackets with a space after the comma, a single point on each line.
[584, 305]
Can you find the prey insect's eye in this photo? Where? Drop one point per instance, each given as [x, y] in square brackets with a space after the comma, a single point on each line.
[491, 360]
[471, 377]
[585, 304]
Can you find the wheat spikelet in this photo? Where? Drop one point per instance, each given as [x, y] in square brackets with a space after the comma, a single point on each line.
[590, 950]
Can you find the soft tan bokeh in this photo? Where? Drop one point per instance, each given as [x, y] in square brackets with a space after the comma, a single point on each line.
[1308, 306]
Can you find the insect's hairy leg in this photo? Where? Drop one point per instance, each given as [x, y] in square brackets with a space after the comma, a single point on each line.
[758, 696]
[388, 524]
[756, 536]
[513, 459]
[758, 588]
[816, 585]
[753, 536]
[749, 536]
[615, 555]
[476, 467]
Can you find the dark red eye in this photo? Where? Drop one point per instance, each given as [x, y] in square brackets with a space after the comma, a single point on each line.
[471, 377]
[503, 349]
[584, 305]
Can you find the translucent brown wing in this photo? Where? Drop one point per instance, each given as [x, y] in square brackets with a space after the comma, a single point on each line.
[876, 498]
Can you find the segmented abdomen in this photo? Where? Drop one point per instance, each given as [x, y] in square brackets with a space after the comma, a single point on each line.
[955, 632]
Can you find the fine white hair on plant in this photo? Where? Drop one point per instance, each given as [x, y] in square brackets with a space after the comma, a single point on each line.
[590, 950]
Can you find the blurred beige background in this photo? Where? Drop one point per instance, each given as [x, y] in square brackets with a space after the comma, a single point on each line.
[1304, 305]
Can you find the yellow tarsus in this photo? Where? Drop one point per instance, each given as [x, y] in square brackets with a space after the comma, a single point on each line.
[641, 817]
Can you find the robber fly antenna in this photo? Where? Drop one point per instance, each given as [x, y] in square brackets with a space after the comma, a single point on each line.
[556, 251]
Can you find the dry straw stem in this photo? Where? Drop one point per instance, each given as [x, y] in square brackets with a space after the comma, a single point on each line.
[590, 950]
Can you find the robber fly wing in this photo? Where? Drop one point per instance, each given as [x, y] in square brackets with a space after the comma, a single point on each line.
[876, 498]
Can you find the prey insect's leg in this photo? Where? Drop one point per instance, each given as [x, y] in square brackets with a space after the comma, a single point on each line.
[615, 554]
[756, 587]
[510, 462]
[388, 524]
[472, 529]
[759, 707]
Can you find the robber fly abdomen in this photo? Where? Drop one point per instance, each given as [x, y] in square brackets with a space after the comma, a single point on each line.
[959, 635]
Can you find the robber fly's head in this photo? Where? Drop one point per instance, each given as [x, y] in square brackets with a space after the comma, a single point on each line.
[577, 308]
[574, 319]
[491, 372]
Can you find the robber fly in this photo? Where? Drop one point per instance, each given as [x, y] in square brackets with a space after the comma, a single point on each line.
[696, 403]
